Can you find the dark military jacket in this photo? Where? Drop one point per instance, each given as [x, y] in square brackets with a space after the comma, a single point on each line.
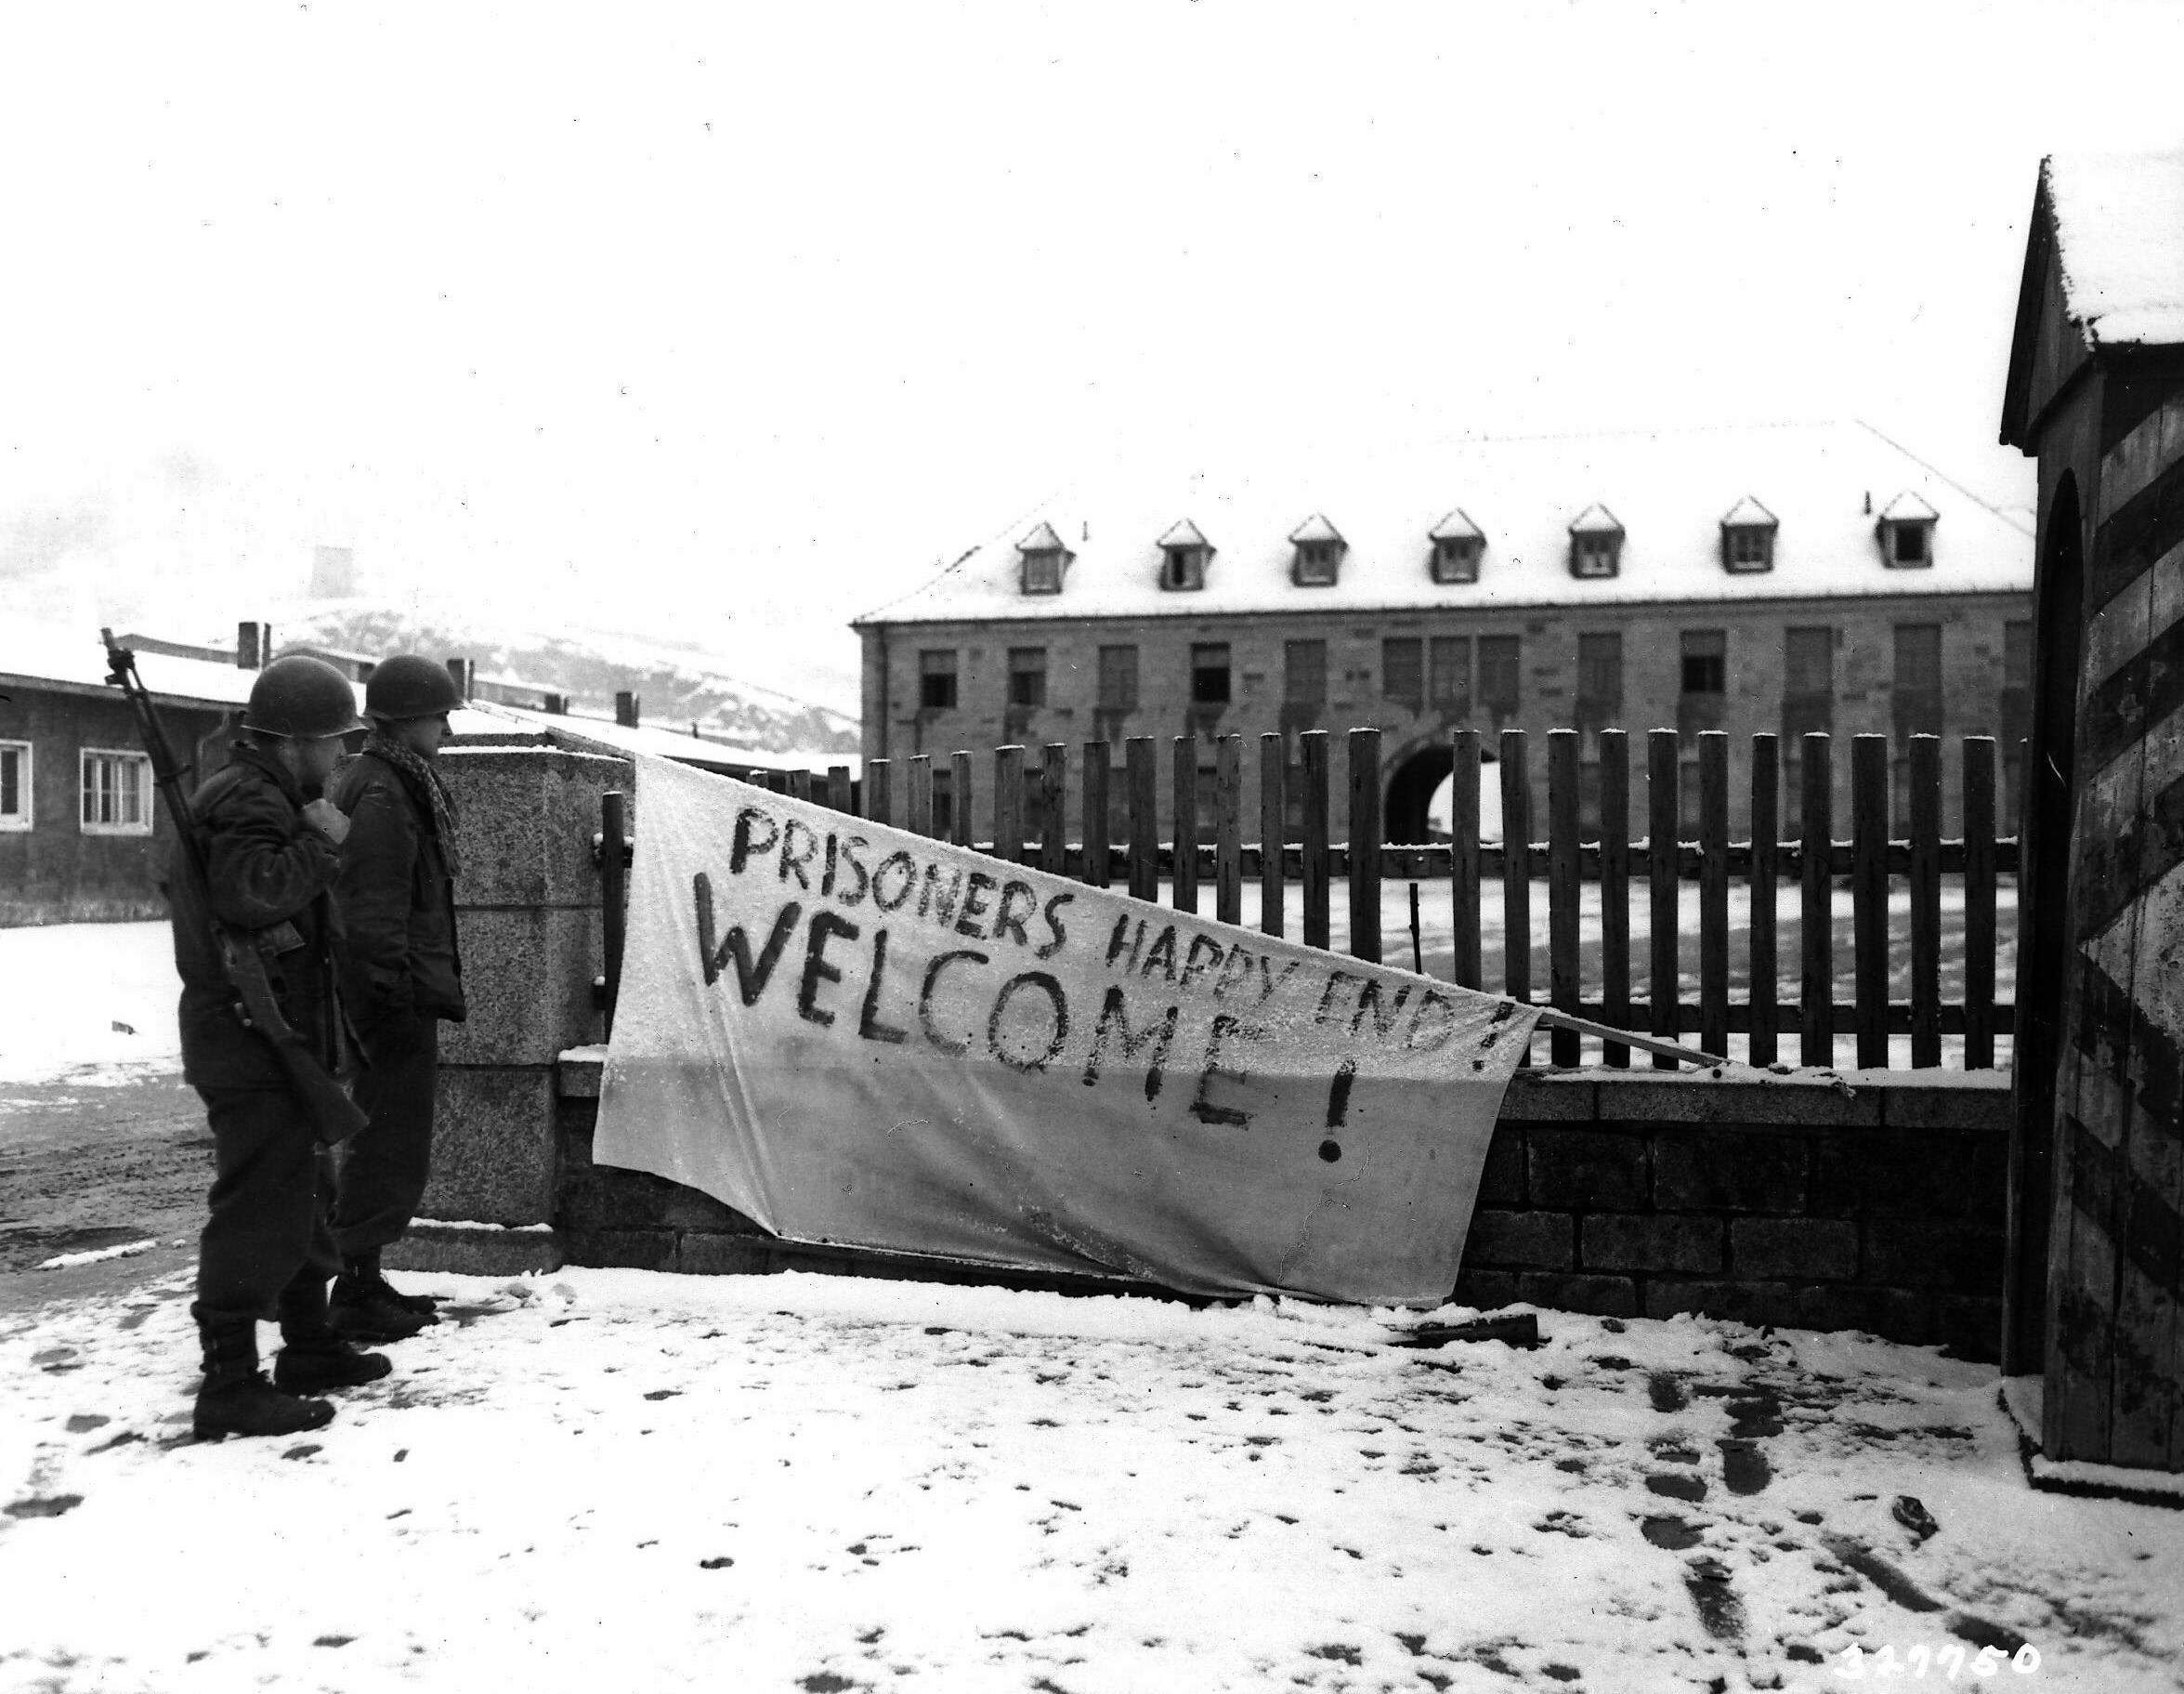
[270, 874]
[398, 901]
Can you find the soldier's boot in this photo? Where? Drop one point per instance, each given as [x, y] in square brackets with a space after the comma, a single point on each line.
[233, 1398]
[313, 1356]
[364, 1309]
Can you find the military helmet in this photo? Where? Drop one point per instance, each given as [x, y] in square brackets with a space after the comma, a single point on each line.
[302, 698]
[408, 686]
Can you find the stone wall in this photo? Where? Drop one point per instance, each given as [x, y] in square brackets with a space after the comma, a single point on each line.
[1791, 1204]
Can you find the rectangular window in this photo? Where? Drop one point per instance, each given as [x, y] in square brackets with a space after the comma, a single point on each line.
[1916, 698]
[1703, 681]
[1403, 670]
[1909, 543]
[936, 679]
[1451, 656]
[1599, 680]
[15, 785]
[1808, 686]
[1028, 675]
[1500, 683]
[1210, 673]
[1118, 679]
[117, 792]
[1304, 673]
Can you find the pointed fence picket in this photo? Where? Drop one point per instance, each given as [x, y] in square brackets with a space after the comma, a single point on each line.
[1582, 867]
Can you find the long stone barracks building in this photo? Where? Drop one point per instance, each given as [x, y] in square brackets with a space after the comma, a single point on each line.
[1782, 579]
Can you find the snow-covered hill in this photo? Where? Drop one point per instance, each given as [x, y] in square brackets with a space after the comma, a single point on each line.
[675, 683]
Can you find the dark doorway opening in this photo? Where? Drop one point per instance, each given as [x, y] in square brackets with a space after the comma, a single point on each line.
[2043, 948]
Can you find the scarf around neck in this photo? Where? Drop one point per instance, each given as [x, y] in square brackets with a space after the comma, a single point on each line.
[425, 782]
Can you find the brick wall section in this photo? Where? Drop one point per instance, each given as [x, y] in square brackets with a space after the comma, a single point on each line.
[1626, 1195]
[1786, 1203]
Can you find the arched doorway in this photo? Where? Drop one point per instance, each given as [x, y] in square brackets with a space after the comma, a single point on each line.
[1417, 807]
[1403, 815]
[2044, 947]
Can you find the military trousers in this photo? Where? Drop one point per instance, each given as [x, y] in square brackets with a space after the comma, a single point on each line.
[267, 1248]
[381, 1169]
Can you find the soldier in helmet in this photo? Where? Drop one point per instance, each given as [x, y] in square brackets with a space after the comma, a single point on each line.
[271, 853]
[402, 977]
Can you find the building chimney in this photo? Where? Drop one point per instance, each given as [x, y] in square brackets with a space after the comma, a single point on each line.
[253, 645]
[555, 705]
[464, 672]
[625, 709]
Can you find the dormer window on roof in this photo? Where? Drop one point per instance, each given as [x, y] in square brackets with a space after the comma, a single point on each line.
[1319, 553]
[1596, 543]
[1906, 529]
[1748, 537]
[1457, 543]
[1184, 557]
[1045, 560]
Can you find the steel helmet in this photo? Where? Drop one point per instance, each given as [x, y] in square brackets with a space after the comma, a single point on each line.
[408, 686]
[302, 698]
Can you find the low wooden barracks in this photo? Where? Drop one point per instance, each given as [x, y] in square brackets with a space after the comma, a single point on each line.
[1781, 579]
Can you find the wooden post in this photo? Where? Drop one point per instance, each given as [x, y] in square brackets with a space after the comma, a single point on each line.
[1979, 902]
[1714, 892]
[1516, 871]
[1664, 825]
[1312, 748]
[1816, 909]
[1183, 778]
[1614, 889]
[1145, 819]
[1764, 967]
[1273, 828]
[1869, 894]
[1008, 804]
[1099, 829]
[614, 892]
[1925, 902]
[1054, 827]
[879, 801]
[1463, 857]
[1228, 828]
[959, 783]
[1564, 883]
[838, 789]
[799, 785]
[1365, 845]
[920, 822]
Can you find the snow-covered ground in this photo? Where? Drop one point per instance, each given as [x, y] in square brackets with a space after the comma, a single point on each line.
[88, 1002]
[610, 1480]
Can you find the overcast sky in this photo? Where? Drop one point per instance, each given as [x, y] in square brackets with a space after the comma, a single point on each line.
[689, 308]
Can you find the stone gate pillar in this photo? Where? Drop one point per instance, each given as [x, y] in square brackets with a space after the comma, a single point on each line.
[528, 915]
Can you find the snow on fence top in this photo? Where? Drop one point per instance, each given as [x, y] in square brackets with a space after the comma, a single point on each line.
[1670, 491]
[2119, 222]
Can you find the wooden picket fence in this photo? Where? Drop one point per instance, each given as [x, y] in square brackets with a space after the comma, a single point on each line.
[1029, 808]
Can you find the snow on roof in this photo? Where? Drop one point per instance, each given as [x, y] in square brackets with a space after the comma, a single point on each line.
[660, 740]
[1907, 507]
[1822, 480]
[1457, 526]
[1749, 514]
[1041, 540]
[1315, 528]
[74, 658]
[1595, 520]
[1184, 533]
[2119, 222]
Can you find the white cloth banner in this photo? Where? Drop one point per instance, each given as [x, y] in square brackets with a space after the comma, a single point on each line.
[856, 1036]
